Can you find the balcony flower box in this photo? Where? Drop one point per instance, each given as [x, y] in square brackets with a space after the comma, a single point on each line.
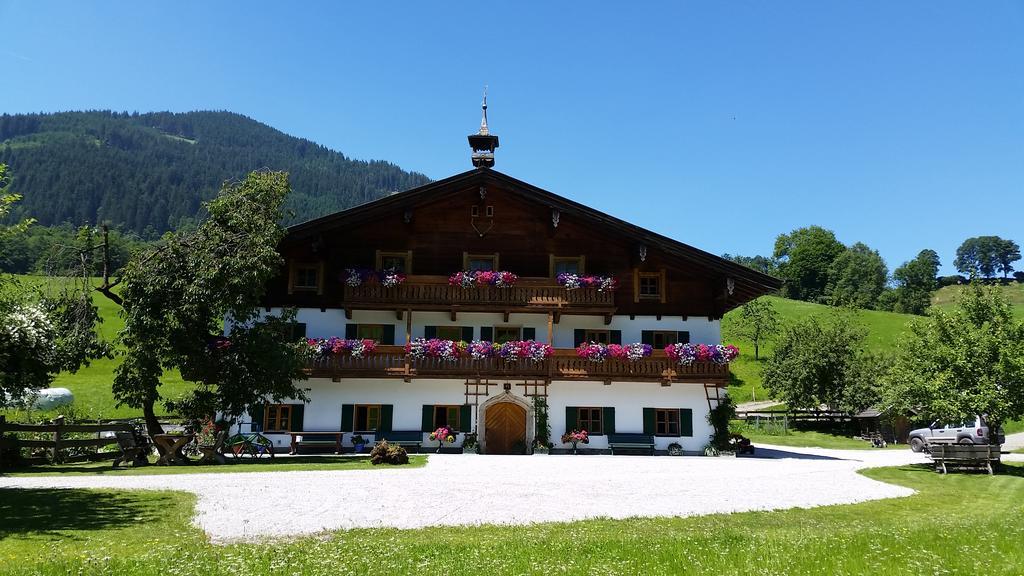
[686, 354]
[479, 278]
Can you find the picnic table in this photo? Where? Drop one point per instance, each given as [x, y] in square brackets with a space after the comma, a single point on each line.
[170, 446]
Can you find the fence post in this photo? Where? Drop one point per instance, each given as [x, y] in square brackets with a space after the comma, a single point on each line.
[58, 422]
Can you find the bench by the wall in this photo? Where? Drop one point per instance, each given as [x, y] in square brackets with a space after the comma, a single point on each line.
[315, 440]
[408, 439]
[971, 456]
[631, 442]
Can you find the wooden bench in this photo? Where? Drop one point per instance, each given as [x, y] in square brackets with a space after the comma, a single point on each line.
[405, 438]
[131, 451]
[631, 442]
[315, 440]
[970, 456]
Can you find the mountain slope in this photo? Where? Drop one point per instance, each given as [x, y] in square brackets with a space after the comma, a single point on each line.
[149, 172]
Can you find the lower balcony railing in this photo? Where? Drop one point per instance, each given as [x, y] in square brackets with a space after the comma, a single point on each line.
[563, 364]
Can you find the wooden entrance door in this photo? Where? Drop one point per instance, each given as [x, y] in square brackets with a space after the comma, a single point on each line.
[505, 425]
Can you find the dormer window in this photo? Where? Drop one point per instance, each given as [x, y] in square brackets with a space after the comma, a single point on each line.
[306, 277]
[566, 265]
[397, 261]
[648, 286]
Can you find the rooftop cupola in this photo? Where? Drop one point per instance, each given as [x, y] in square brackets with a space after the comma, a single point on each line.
[483, 143]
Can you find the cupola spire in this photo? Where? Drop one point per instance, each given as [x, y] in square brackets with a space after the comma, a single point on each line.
[483, 143]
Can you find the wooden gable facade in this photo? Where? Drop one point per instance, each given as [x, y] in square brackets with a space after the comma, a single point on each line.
[437, 228]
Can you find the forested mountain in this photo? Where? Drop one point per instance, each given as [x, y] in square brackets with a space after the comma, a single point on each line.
[148, 173]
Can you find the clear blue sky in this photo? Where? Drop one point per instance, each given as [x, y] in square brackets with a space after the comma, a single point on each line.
[899, 124]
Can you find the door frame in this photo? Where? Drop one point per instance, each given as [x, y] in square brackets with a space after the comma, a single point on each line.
[505, 396]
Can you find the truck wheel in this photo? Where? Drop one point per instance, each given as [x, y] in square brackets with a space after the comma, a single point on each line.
[965, 440]
[916, 444]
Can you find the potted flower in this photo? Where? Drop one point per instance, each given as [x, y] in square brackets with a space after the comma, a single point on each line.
[470, 445]
[531, 350]
[443, 435]
[540, 447]
[359, 442]
[448, 350]
[675, 449]
[575, 437]
[390, 278]
[686, 354]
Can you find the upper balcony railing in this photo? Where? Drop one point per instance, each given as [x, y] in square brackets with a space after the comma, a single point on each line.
[434, 292]
[563, 364]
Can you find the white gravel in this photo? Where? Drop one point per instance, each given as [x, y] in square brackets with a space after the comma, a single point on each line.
[472, 489]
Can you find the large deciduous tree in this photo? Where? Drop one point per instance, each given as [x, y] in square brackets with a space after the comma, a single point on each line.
[857, 277]
[805, 258]
[757, 321]
[984, 256]
[915, 282]
[962, 362]
[819, 363]
[176, 296]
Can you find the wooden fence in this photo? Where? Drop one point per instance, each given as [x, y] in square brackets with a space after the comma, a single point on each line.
[58, 441]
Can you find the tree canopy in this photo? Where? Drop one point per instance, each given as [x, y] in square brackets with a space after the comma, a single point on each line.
[805, 258]
[962, 362]
[176, 296]
[857, 277]
[984, 256]
[915, 282]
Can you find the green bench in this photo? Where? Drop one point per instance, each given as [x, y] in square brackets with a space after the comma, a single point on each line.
[408, 439]
[631, 442]
[970, 456]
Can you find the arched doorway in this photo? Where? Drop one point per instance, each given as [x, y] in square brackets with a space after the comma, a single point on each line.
[505, 428]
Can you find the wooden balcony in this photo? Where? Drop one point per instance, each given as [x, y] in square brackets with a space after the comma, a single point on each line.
[564, 364]
[434, 293]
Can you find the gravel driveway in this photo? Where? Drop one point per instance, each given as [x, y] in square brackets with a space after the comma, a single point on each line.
[472, 489]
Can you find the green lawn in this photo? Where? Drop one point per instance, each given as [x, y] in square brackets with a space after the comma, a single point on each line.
[302, 463]
[956, 524]
[812, 439]
[1014, 293]
[884, 328]
[92, 384]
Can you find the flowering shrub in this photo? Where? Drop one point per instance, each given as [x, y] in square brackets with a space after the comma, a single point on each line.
[686, 354]
[576, 437]
[388, 278]
[599, 352]
[357, 348]
[525, 350]
[443, 434]
[571, 281]
[500, 279]
[480, 349]
[436, 348]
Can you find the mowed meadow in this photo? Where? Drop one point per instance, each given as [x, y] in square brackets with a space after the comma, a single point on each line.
[91, 385]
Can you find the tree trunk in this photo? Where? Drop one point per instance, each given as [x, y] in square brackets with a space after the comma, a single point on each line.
[152, 424]
[757, 353]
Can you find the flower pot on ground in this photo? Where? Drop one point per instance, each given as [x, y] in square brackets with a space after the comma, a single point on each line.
[470, 445]
[675, 449]
[443, 435]
[575, 437]
[359, 443]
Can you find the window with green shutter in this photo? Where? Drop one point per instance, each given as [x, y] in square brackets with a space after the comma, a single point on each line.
[571, 412]
[590, 419]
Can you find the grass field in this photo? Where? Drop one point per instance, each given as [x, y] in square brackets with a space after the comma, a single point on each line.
[241, 466]
[956, 524]
[810, 439]
[1014, 293]
[884, 328]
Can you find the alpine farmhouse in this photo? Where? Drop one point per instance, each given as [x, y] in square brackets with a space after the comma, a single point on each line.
[563, 255]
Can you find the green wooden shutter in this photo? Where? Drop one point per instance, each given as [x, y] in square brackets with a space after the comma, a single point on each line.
[257, 412]
[389, 334]
[428, 418]
[686, 422]
[529, 333]
[649, 427]
[347, 417]
[467, 333]
[297, 410]
[465, 418]
[615, 337]
[430, 332]
[298, 330]
[487, 333]
[608, 420]
[351, 330]
[647, 337]
[387, 414]
[578, 336]
[683, 337]
[571, 412]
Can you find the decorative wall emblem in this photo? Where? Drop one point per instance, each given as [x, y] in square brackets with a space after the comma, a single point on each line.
[483, 192]
[643, 253]
[730, 285]
[555, 217]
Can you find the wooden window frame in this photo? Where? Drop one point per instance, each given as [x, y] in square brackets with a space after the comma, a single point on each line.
[277, 410]
[293, 272]
[656, 333]
[588, 336]
[580, 419]
[455, 328]
[355, 418]
[361, 327]
[659, 275]
[581, 263]
[496, 328]
[448, 408]
[382, 254]
[466, 257]
[667, 422]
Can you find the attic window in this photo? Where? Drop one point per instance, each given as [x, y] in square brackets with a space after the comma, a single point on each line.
[306, 278]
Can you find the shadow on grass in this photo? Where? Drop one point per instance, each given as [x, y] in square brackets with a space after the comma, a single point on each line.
[1004, 469]
[48, 512]
[239, 464]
